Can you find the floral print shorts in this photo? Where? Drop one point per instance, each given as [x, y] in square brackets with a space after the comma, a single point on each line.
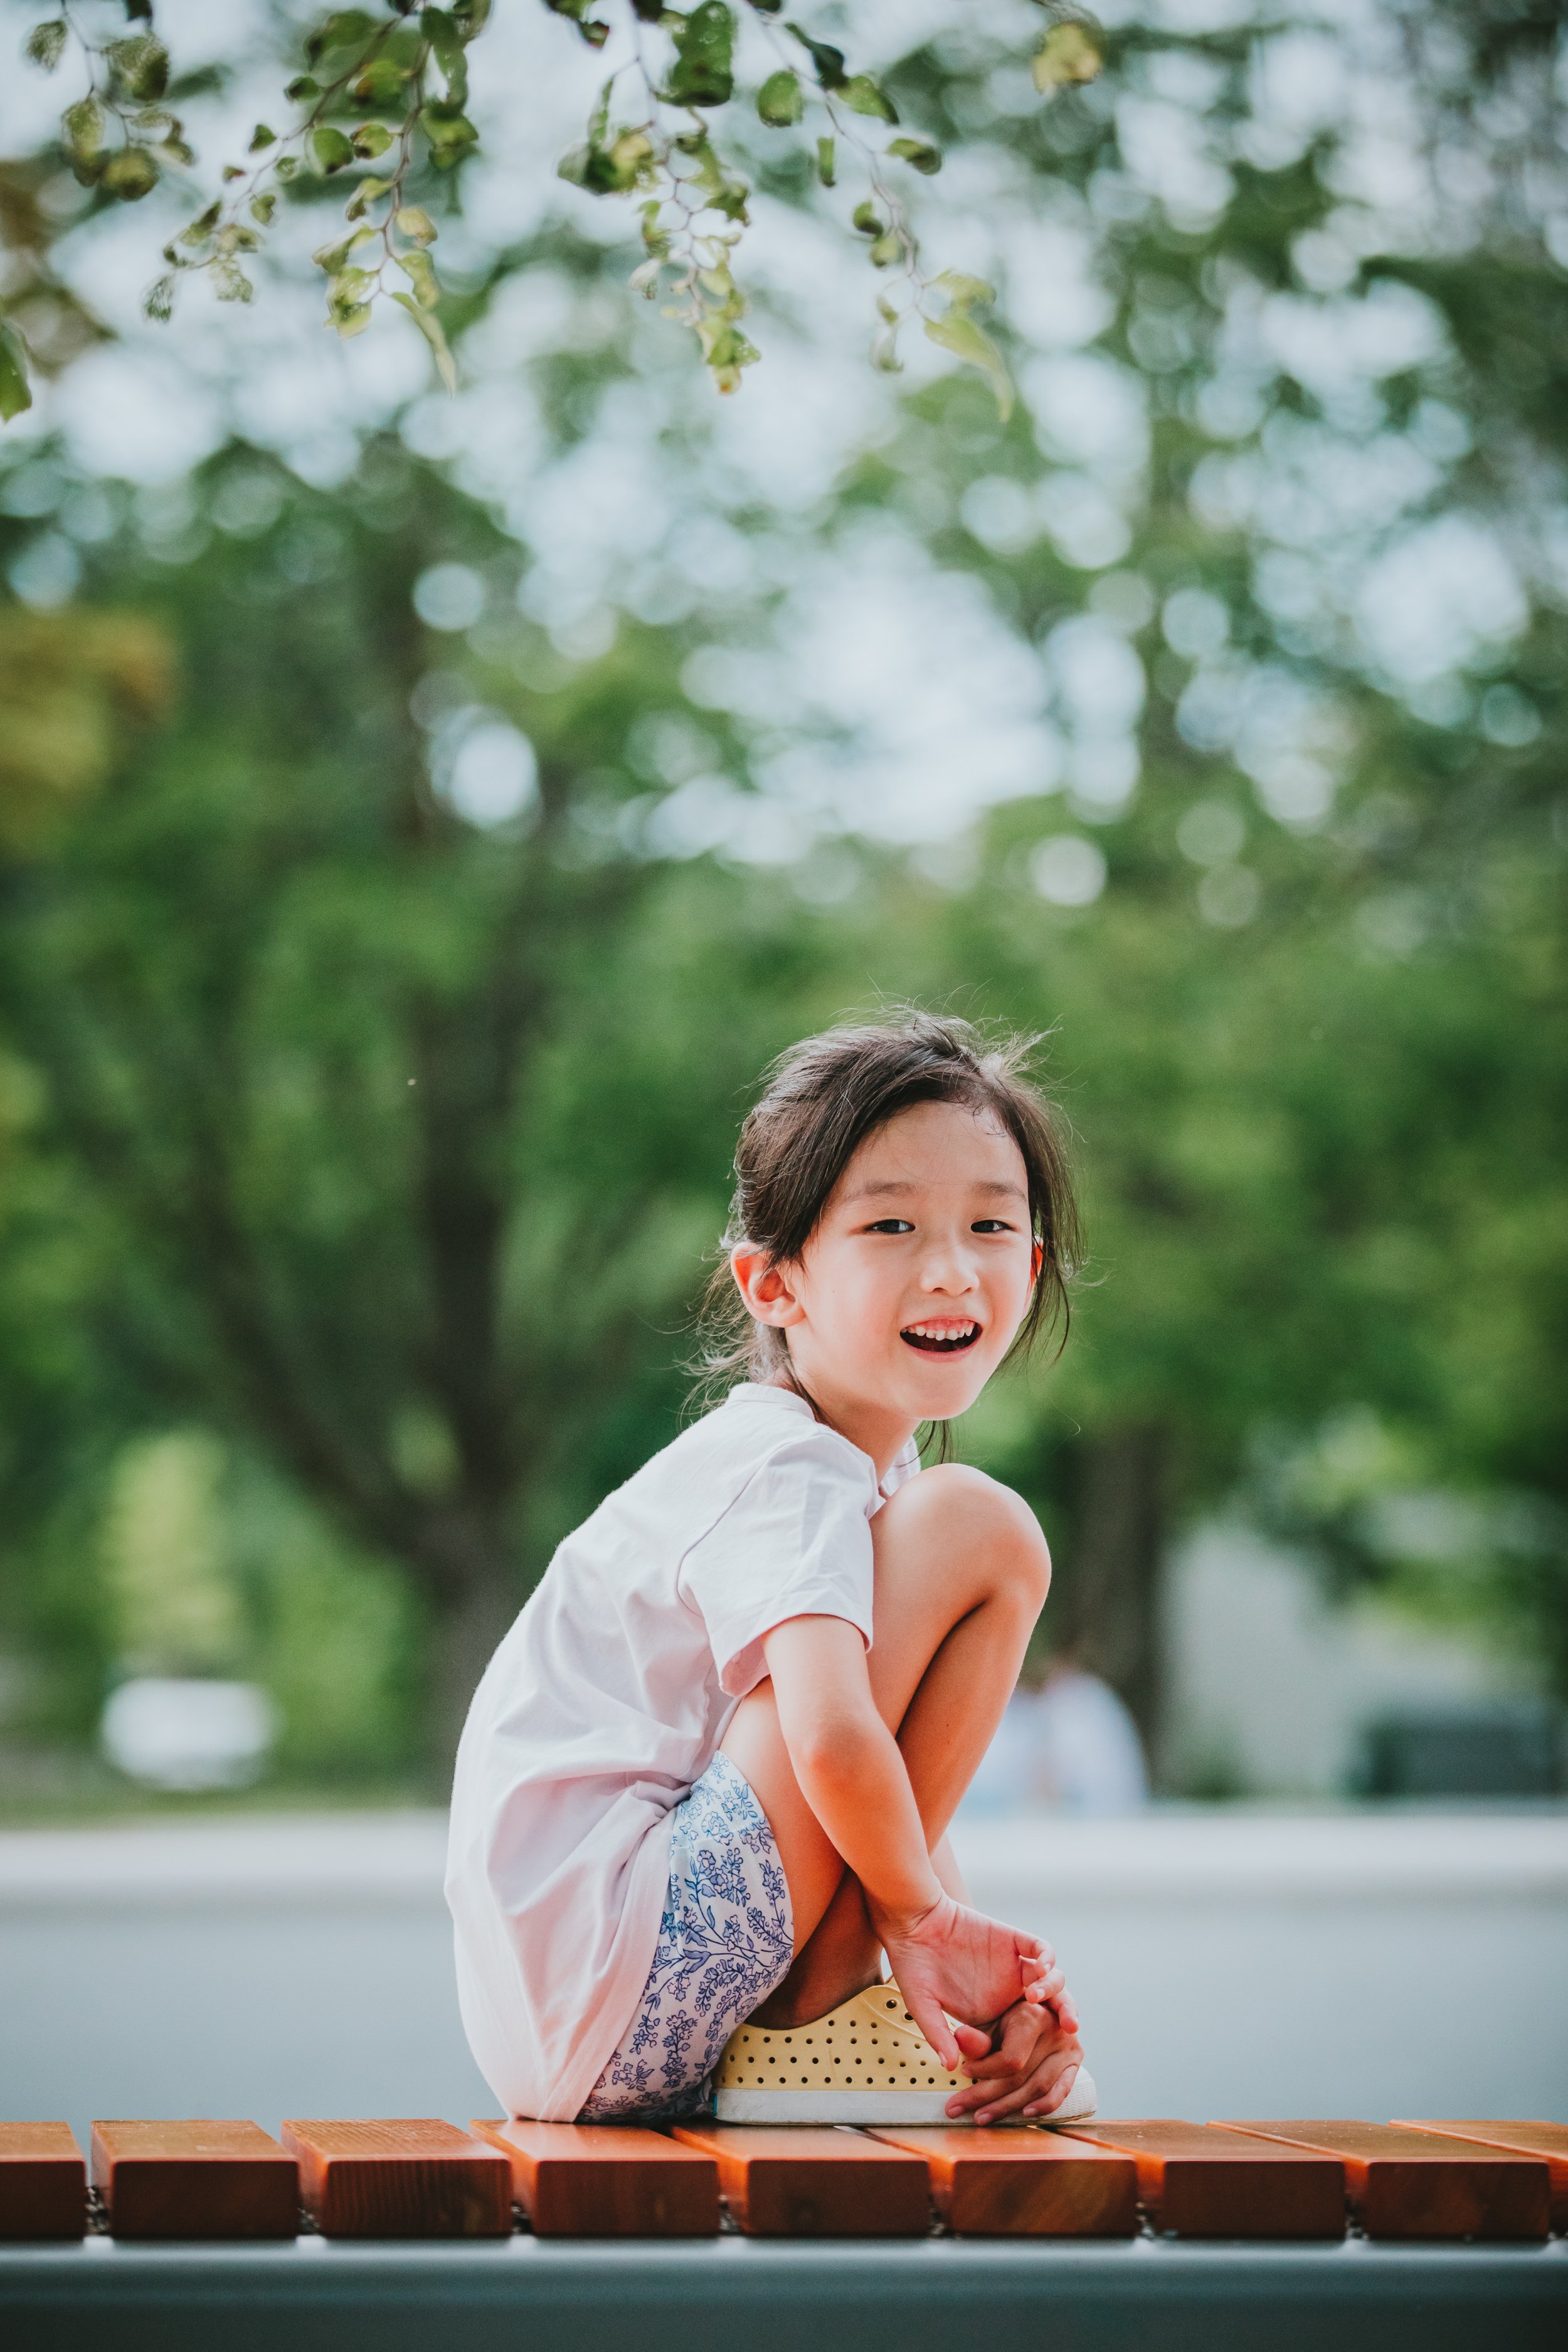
[725, 1942]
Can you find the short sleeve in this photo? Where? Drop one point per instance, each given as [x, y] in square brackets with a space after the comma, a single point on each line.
[795, 1542]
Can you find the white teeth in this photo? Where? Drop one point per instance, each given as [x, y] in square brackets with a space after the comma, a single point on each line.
[944, 1331]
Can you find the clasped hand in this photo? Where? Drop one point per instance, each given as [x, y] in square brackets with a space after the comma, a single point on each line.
[1018, 2035]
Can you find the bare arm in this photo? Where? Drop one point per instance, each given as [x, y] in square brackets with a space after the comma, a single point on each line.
[847, 1763]
[944, 1955]
[944, 1862]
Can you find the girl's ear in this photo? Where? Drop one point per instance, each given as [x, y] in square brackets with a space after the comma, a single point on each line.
[765, 1287]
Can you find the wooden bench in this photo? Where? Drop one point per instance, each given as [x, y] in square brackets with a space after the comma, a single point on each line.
[1413, 2184]
[194, 2180]
[425, 2179]
[43, 2182]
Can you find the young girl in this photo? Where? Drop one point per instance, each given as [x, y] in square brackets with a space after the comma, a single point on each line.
[708, 1775]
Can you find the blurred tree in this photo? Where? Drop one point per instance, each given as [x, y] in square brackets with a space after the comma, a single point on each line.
[371, 1093]
[412, 1124]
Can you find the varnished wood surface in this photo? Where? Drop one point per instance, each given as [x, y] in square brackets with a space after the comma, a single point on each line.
[194, 2178]
[1199, 2181]
[801, 2182]
[1409, 2184]
[43, 2182]
[607, 2180]
[406, 2177]
[993, 2183]
[1548, 2141]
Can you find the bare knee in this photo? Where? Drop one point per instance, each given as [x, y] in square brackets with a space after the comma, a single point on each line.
[959, 1511]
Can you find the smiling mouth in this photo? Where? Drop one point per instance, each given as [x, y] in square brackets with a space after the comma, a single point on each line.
[941, 1338]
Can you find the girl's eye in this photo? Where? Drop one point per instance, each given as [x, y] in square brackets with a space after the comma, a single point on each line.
[990, 1225]
[890, 1225]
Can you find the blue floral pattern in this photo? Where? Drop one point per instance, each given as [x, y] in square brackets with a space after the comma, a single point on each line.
[725, 1941]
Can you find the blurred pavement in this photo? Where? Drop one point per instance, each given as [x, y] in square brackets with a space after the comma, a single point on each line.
[1231, 1961]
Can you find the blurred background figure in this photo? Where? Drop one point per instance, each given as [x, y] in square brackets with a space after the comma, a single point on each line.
[1070, 1743]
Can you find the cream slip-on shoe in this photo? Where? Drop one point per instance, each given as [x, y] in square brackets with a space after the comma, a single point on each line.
[864, 2062]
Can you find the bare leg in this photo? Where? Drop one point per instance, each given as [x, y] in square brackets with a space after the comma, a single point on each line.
[962, 1571]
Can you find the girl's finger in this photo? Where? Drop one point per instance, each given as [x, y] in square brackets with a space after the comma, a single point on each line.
[1057, 2093]
[932, 2019]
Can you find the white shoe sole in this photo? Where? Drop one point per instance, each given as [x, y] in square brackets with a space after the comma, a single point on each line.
[871, 2108]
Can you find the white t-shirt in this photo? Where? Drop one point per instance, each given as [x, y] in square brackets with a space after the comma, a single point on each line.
[608, 1699]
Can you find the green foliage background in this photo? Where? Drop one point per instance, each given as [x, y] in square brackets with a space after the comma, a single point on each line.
[360, 1163]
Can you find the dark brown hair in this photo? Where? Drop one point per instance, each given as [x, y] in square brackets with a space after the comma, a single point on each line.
[822, 1098]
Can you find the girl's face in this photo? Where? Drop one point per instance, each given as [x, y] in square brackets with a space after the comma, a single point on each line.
[908, 1294]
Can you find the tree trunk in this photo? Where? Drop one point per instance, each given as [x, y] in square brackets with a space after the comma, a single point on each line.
[1107, 1613]
[468, 1626]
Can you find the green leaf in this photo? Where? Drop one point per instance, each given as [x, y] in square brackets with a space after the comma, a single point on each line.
[344, 29]
[702, 73]
[963, 292]
[332, 149]
[827, 170]
[303, 86]
[158, 302]
[1069, 54]
[130, 175]
[918, 151]
[349, 287]
[447, 44]
[262, 137]
[420, 272]
[887, 249]
[16, 391]
[449, 131]
[415, 223]
[141, 65]
[724, 194]
[196, 232]
[83, 126]
[868, 220]
[959, 335]
[370, 139]
[230, 283]
[263, 206]
[334, 259]
[45, 46]
[781, 99]
[350, 319]
[430, 328]
[827, 61]
[864, 96]
[593, 31]
[383, 81]
[287, 167]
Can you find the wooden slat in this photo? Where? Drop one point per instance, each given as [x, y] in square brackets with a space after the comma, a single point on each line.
[194, 2179]
[409, 2176]
[607, 2180]
[43, 2182]
[1403, 2184]
[997, 2183]
[1548, 2141]
[796, 2182]
[1199, 2181]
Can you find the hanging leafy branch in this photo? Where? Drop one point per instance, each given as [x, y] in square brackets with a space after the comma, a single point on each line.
[389, 92]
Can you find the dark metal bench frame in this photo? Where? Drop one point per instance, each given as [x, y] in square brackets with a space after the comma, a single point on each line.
[738, 2295]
